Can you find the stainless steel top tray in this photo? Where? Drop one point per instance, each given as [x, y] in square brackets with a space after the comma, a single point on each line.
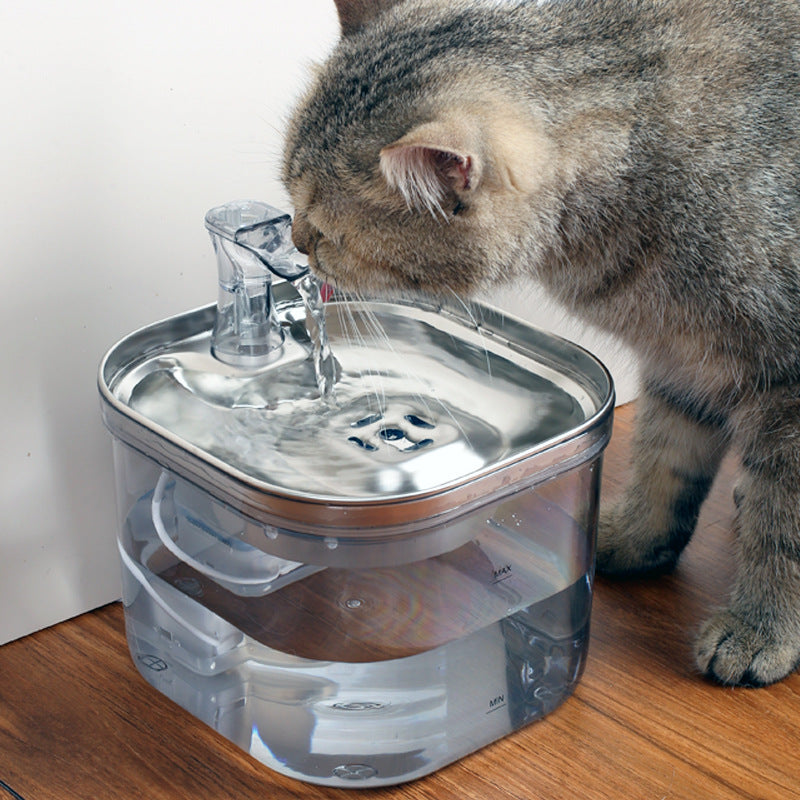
[439, 409]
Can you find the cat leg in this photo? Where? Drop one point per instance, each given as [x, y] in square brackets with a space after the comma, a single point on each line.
[756, 640]
[677, 449]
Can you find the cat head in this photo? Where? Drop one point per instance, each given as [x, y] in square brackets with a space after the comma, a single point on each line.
[409, 161]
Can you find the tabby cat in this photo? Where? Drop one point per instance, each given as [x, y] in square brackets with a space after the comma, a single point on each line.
[640, 161]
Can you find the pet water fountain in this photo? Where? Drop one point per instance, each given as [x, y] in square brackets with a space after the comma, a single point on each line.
[359, 543]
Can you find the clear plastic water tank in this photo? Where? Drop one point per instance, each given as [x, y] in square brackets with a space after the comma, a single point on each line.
[359, 588]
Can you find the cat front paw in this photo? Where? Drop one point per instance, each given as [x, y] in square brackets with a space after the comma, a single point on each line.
[626, 548]
[734, 652]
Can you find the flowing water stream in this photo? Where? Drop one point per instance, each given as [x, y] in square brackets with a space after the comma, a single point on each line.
[326, 367]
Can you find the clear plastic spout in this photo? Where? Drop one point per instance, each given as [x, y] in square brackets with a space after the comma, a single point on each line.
[253, 242]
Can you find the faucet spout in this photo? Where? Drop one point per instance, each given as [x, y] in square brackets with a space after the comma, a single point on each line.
[252, 241]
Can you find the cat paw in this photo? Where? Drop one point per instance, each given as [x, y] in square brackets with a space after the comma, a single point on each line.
[626, 550]
[735, 653]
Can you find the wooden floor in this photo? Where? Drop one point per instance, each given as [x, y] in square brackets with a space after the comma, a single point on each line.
[77, 721]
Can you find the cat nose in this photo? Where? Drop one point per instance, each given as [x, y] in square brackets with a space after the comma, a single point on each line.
[303, 234]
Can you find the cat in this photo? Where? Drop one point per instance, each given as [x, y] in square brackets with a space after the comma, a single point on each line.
[640, 161]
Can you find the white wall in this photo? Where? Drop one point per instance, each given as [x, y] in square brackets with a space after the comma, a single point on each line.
[122, 123]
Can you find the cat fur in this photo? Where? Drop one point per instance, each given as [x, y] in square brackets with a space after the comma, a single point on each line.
[640, 161]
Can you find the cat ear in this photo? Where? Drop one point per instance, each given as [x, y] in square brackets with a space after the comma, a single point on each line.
[355, 14]
[428, 163]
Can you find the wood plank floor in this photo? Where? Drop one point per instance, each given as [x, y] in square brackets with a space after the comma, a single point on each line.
[77, 721]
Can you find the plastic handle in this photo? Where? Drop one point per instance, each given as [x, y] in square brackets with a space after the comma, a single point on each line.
[144, 582]
[170, 544]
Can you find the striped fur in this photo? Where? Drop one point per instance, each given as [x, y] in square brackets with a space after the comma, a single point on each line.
[639, 159]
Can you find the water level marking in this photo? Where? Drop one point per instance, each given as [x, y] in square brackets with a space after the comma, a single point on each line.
[501, 573]
[496, 703]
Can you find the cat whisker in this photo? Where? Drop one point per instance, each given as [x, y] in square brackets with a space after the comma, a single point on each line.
[362, 328]
[357, 333]
[478, 328]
